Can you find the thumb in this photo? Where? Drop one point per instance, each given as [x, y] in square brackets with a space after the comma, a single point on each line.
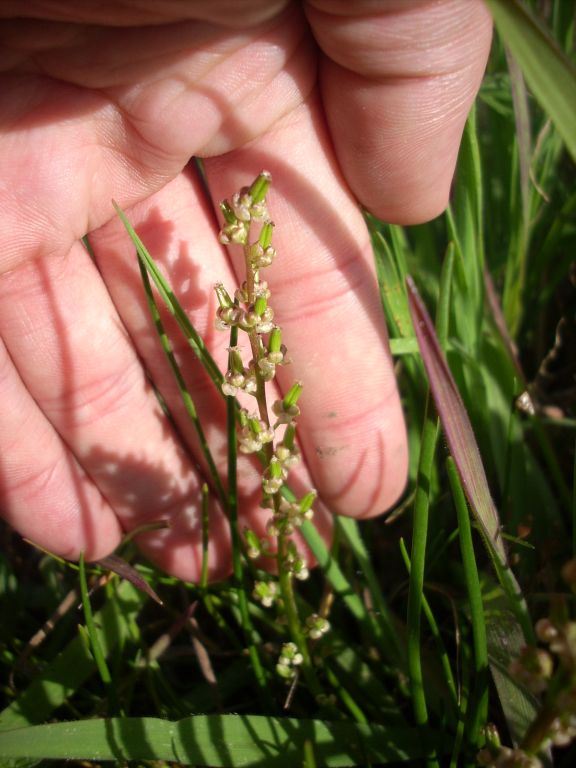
[398, 79]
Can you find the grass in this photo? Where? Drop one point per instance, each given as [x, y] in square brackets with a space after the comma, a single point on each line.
[430, 611]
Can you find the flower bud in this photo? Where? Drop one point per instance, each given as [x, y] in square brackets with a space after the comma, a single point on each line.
[265, 592]
[316, 626]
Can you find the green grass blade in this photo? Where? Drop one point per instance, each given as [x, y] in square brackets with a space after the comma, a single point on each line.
[462, 443]
[416, 582]
[520, 198]
[456, 424]
[392, 288]
[443, 309]
[464, 220]
[218, 740]
[203, 583]
[172, 304]
[408, 346]
[505, 641]
[478, 704]
[97, 653]
[549, 73]
[435, 631]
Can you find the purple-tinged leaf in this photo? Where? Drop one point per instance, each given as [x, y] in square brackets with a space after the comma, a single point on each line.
[128, 572]
[456, 424]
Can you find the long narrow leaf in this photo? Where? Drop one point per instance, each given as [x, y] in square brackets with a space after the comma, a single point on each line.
[549, 73]
[464, 449]
[455, 422]
[217, 740]
[91, 626]
[478, 706]
[172, 303]
[418, 563]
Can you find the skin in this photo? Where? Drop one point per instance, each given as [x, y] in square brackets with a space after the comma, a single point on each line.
[345, 103]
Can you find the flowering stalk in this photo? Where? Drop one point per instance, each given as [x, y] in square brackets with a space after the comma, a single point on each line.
[247, 224]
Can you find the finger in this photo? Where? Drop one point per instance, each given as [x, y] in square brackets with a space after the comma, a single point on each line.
[131, 14]
[325, 298]
[44, 492]
[76, 360]
[398, 81]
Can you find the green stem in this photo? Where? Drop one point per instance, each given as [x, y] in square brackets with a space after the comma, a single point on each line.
[94, 641]
[435, 630]
[478, 707]
[237, 565]
[418, 559]
[293, 619]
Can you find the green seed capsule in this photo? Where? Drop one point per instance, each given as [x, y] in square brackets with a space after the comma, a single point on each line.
[266, 235]
[260, 186]
[291, 398]
[275, 340]
[227, 212]
[260, 305]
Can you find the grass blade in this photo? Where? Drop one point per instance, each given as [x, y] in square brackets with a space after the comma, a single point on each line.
[416, 581]
[217, 740]
[172, 303]
[456, 424]
[549, 73]
[478, 704]
[97, 653]
[464, 449]
[435, 631]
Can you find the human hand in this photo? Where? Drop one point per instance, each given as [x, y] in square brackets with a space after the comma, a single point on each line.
[339, 101]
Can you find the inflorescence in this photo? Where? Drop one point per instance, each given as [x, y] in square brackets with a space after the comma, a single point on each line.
[272, 436]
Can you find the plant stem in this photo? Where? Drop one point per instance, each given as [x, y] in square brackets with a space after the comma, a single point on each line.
[478, 707]
[237, 566]
[418, 558]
